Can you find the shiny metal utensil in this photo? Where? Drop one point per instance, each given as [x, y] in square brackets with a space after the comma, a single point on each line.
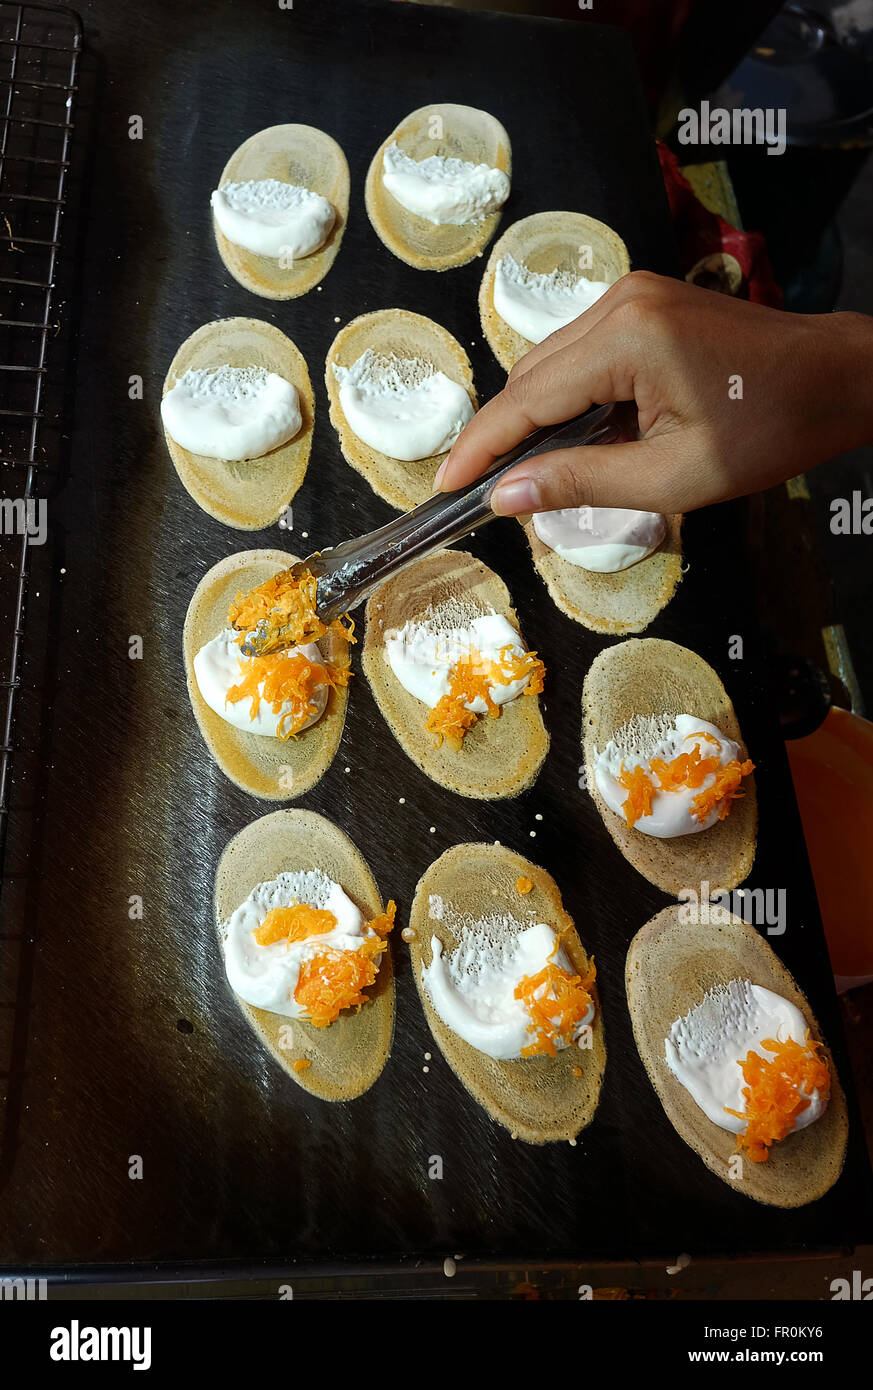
[348, 573]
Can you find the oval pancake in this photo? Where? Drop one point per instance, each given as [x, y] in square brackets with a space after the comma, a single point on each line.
[613, 603]
[545, 242]
[270, 768]
[537, 1098]
[252, 493]
[346, 1058]
[468, 134]
[499, 757]
[298, 154]
[398, 333]
[670, 966]
[649, 676]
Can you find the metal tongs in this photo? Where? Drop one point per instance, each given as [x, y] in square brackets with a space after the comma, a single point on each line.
[348, 573]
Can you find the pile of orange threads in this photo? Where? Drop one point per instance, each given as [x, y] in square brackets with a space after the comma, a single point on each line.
[472, 677]
[557, 1013]
[774, 1092]
[287, 603]
[685, 770]
[332, 980]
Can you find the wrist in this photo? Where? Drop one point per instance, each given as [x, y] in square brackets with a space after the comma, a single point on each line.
[852, 389]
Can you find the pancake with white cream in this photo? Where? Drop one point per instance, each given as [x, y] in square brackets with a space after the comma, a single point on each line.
[453, 676]
[665, 761]
[436, 185]
[305, 943]
[280, 208]
[238, 414]
[401, 390]
[508, 990]
[736, 1056]
[542, 274]
[272, 723]
[535, 306]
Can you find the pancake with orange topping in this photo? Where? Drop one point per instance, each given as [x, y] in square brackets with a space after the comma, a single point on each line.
[304, 937]
[272, 721]
[735, 1054]
[667, 767]
[452, 675]
[508, 990]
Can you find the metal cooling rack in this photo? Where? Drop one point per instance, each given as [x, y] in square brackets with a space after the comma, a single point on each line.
[40, 49]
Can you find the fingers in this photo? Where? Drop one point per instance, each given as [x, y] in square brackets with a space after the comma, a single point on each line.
[592, 361]
[572, 332]
[563, 385]
[652, 475]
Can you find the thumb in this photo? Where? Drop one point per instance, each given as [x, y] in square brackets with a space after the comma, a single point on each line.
[633, 474]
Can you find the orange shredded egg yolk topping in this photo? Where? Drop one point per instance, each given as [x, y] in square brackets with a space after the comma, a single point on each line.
[286, 602]
[286, 678]
[331, 980]
[686, 770]
[471, 678]
[774, 1092]
[523, 884]
[559, 1009]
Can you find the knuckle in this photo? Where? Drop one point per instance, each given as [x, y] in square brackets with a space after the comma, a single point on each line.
[570, 481]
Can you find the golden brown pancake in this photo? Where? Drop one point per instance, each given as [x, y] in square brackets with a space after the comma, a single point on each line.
[670, 966]
[467, 134]
[499, 757]
[301, 155]
[626, 601]
[252, 493]
[537, 1098]
[346, 1058]
[545, 242]
[648, 676]
[393, 333]
[272, 768]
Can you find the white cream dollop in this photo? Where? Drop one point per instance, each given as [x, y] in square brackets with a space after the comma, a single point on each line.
[274, 219]
[602, 539]
[421, 655]
[217, 669]
[231, 413]
[671, 810]
[402, 406]
[536, 305]
[452, 191]
[266, 976]
[703, 1050]
[473, 988]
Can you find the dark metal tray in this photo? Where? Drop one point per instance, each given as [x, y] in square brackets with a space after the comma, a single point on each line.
[124, 1039]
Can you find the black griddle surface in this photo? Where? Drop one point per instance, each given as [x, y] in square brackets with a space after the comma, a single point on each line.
[126, 1040]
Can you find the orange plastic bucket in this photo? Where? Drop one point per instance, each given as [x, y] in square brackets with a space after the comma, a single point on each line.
[833, 778]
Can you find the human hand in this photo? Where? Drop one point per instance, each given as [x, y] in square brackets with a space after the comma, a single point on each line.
[732, 397]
